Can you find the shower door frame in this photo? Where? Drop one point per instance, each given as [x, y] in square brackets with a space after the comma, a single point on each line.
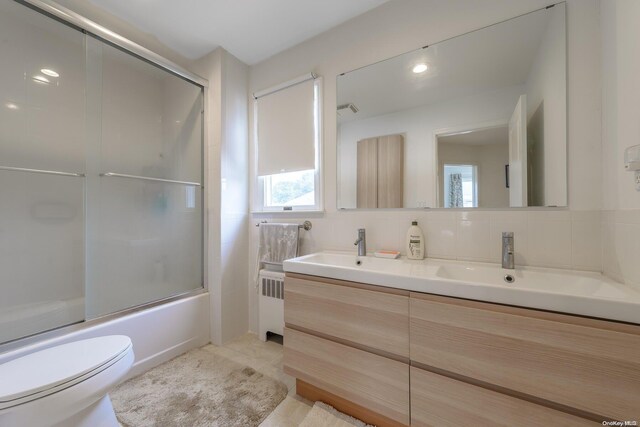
[90, 28]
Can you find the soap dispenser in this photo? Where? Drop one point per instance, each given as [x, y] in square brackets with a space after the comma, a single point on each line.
[415, 242]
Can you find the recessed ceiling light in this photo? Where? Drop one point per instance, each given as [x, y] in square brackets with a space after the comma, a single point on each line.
[12, 106]
[420, 68]
[49, 72]
[40, 79]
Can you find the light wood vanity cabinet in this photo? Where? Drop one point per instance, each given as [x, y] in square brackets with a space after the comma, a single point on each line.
[369, 318]
[437, 400]
[589, 365]
[469, 363]
[366, 379]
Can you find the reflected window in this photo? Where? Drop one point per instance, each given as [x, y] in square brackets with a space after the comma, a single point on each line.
[190, 200]
[461, 186]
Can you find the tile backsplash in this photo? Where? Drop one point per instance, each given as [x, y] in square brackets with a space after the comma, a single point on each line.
[543, 238]
[560, 238]
[621, 245]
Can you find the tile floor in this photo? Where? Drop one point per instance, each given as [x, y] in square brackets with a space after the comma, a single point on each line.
[266, 358]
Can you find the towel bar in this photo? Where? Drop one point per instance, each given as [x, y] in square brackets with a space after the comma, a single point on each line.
[306, 225]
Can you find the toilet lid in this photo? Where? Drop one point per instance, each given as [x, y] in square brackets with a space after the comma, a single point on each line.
[49, 368]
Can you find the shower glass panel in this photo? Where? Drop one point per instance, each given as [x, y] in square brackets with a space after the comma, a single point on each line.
[144, 209]
[42, 81]
[101, 165]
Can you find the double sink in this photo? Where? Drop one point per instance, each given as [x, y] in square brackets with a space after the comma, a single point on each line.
[566, 291]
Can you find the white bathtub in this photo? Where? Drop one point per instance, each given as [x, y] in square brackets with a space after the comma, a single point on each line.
[28, 319]
[158, 333]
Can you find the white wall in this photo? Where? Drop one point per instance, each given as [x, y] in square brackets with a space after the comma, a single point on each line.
[545, 88]
[227, 192]
[419, 127]
[562, 238]
[620, 129]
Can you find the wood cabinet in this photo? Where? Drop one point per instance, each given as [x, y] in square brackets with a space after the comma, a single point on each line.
[378, 321]
[380, 172]
[468, 362]
[437, 400]
[590, 365]
[371, 381]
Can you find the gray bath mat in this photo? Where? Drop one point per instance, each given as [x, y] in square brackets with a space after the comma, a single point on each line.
[197, 389]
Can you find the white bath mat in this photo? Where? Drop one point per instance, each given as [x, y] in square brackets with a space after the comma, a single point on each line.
[323, 415]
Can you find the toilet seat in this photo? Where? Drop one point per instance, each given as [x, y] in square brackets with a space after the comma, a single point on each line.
[45, 372]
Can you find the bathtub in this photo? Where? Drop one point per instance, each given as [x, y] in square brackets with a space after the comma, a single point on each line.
[159, 333]
[28, 319]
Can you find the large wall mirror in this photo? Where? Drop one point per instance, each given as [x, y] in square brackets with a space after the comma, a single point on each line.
[478, 120]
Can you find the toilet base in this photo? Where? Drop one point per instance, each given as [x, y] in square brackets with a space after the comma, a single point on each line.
[100, 414]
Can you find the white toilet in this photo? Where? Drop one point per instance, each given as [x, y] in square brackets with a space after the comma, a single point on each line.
[66, 385]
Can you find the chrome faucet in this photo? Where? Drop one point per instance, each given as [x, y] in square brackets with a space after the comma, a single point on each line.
[361, 242]
[507, 250]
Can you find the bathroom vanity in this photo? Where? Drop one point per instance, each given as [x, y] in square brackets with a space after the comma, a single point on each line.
[405, 344]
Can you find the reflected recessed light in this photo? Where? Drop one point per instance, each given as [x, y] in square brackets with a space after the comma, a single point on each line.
[12, 106]
[420, 68]
[49, 72]
[40, 79]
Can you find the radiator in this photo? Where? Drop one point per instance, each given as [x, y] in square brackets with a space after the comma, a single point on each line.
[270, 303]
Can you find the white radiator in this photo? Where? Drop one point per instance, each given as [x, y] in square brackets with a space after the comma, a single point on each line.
[270, 303]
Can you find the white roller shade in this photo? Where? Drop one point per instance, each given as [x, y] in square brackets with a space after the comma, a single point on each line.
[286, 135]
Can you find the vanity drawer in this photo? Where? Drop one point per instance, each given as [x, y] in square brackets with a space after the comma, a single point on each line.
[437, 400]
[374, 382]
[587, 364]
[374, 320]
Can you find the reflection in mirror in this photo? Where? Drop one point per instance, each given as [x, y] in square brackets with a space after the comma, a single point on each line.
[478, 120]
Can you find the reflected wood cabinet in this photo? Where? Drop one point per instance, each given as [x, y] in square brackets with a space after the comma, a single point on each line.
[467, 363]
[380, 172]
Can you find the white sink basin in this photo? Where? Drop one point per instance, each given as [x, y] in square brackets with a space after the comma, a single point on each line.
[584, 293]
[546, 280]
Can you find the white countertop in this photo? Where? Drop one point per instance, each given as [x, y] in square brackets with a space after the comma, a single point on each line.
[566, 291]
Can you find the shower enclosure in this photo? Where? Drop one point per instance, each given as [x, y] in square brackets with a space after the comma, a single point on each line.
[101, 171]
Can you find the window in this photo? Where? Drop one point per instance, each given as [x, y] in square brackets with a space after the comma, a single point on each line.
[460, 186]
[290, 189]
[287, 149]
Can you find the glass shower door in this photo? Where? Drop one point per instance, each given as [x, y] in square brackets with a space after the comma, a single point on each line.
[42, 166]
[144, 194]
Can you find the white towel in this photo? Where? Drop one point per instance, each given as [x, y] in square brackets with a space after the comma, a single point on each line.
[278, 242]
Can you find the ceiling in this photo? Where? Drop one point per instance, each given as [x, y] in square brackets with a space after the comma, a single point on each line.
[489, 59]
[252, 30]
